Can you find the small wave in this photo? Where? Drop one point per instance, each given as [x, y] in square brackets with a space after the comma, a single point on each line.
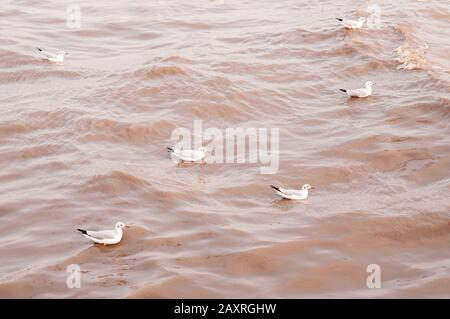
[115, 131]
[412, 53]
[28, 75]
[116, 182]
[39, 151]
[10, 59]
[160, 71]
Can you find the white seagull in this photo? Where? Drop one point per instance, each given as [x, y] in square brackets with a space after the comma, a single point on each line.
[361, 92]
[353, 24]
[293, 193]
[105, 237]
[59, 58]
[189, 155]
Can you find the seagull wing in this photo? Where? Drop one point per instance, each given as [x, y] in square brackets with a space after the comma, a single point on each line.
[357, 92]
[49, 55]
[102, 234]
[188, 155]
[291, 192]
[352, 23]
[185, 153]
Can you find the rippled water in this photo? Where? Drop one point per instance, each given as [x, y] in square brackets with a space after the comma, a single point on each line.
[83, 145]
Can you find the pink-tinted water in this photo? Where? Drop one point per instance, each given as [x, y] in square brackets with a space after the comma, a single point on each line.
[83, 145]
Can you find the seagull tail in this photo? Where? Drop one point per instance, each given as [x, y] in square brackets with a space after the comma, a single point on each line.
[82, 231]
[170, 150]
[339, 19]
[343, 90]
[275, 188]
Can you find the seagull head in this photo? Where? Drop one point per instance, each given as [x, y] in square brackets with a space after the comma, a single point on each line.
[121, 225]
[362, 19]
[369, 83]
[305, 187]
[202, 149]
[62, 53]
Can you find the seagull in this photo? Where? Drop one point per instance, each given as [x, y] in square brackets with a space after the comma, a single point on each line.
[189, 155]
[353, 24]
[105, 237]
[293, 193]
[59, 58]
[362, 92]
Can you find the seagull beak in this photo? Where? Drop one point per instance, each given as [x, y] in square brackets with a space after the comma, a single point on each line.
[312, 187]
[126, 226]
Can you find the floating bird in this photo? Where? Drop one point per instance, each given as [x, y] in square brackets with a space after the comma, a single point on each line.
[105, 237]
[353, 24]
[59, 58]
[293, 193]
[189, 155]
[361, 92]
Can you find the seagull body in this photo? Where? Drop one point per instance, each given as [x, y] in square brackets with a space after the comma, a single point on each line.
[352, 24]
[298, 194]
[58, 58]
[361, 92]
[105, 237]
[189, 155]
